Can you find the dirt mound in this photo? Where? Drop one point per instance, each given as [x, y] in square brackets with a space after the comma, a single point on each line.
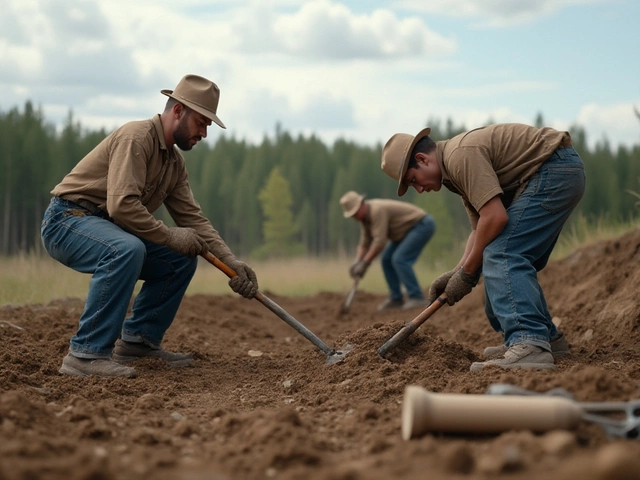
[261, 402]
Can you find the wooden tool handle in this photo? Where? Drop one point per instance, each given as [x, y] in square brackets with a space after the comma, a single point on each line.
[219, 264]
[424, 411]
[411, 326]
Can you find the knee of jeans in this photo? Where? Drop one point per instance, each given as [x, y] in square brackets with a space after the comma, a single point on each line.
[188, 264]
[398, 261]
[132, 248]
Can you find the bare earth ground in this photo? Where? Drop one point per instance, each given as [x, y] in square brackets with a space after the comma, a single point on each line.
[285, 414]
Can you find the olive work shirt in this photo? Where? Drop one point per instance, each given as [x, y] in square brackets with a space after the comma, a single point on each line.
[387, 220]
[495, 160]
[129, 175]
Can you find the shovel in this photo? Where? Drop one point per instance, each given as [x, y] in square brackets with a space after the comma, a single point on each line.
[344, 308]
[333, 355]
[411, 326]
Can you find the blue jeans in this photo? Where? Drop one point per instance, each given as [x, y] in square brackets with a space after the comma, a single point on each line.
[514, 301]
[117, 260]
[398, 259]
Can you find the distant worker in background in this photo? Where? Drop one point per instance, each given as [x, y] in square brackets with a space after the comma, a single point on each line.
[100, 221]
[519, 185]
[400, 231]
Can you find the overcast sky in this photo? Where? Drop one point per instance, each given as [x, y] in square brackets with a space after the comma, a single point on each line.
[360, 70]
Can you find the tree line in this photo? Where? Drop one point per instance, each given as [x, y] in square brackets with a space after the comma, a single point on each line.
[279, 197]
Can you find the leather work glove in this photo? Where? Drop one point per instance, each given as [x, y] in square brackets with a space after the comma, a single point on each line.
[358, 269]
[459, 285]
[245, 283]
[438, 285]
[186, 241]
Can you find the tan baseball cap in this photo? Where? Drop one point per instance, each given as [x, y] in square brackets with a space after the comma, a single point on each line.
[199, 94]
[351, 202]
[396, 153]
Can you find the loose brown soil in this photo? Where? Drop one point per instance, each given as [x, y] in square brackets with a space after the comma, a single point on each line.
[260, 401]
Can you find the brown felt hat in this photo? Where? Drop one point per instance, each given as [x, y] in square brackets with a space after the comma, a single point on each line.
[198, 94]
[396, 153]
[351, 202]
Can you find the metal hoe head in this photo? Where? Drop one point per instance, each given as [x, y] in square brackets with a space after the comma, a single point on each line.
[337, 356]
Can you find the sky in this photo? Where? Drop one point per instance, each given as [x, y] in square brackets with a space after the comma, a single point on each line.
[359, 70]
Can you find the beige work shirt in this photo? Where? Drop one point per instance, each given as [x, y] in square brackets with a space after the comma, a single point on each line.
[130, 174]
[387, 220]
[495, 160]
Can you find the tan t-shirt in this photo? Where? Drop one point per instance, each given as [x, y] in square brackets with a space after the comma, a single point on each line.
[130, 174]
[494, 160]
[388, 220]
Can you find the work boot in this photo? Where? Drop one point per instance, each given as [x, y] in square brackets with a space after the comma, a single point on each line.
[520, 355]
[127, 352]
[559, 348]
[100, 367]
[390, 304]
[414, 303]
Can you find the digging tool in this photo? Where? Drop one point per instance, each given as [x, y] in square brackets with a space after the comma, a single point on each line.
[506, 407]
[347, 303]
[627, 425]
[333, 355]
[424, 411]
[411, 326]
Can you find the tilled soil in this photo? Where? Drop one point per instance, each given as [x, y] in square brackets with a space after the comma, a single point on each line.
[261, 401]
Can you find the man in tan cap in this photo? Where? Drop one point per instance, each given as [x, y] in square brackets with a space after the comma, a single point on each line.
[400, 231]
[519, 184]
[100, 221]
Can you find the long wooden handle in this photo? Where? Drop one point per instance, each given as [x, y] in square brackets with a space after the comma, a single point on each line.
[424, 411]
[411, 326]
[351, 294]
[273, 306]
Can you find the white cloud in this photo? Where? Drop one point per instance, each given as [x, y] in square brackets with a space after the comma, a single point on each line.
[616, 123]
[323, 29]
[494, 13]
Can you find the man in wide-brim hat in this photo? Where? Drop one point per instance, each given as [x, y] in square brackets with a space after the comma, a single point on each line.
[100, 221]
[519, 184]
[398, 231]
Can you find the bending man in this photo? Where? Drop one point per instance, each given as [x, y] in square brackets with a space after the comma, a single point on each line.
[400, 231]
[519, 185]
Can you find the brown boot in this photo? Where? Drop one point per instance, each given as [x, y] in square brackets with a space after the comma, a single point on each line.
[559, 348]
[520, 356]
[100, 367]
[390, 304]
[127, 352]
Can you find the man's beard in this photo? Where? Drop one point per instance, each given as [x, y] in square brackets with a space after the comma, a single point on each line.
[181, 135]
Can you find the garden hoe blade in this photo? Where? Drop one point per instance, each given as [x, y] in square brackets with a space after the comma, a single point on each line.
[333, 355]
[411, 326]
[344, 308]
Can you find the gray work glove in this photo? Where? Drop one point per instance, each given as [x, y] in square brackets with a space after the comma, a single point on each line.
[358, 269]
[245, 283]
[186, 241]
[438, 285]
[460, 285]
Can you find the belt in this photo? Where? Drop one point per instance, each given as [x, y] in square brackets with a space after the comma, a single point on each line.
[91, 207]
[566, 142]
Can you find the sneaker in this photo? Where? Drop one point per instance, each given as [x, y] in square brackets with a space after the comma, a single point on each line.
[559, 348]
[520, 355]
[127, 352]
[390, 304]
[100, 367]
[415, 303]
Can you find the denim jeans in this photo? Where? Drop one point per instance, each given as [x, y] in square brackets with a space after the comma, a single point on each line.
[514, 301]
[398, 259]
[117, 260]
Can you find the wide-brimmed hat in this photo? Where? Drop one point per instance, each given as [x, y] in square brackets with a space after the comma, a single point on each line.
[351, 202]
[396, 153]
[199, 94]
